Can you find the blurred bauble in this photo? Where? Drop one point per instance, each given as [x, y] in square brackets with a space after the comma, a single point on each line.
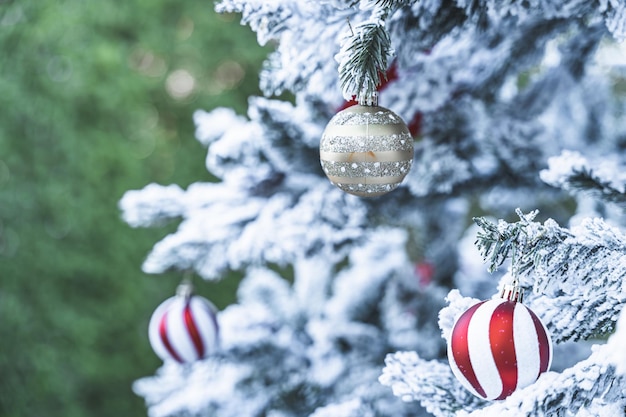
[498, 346]
[184, 329]
[366, 150]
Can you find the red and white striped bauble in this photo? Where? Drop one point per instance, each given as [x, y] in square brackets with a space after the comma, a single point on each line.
[498, 346]
[184, 329]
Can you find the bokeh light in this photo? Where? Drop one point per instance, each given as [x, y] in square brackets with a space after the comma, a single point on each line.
[180, 84]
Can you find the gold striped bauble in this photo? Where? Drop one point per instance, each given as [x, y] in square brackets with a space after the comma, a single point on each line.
[366, 150]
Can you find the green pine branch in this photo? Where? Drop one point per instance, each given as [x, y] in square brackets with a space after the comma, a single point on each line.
[499, 241]
[584, 180]
[367, 52]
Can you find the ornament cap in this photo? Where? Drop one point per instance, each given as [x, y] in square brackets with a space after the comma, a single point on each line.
[368, 99]
[512, 292]
[185, 289]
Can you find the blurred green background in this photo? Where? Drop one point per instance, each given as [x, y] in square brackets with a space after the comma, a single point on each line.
[97, 98]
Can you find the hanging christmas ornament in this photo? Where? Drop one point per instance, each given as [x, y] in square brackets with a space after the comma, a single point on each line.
[366, 150]
[184, 327]
[498, 346]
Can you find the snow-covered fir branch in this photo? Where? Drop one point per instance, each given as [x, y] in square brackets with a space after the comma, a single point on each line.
[366, 51]
[615, 345]
[574, 173]
[597, 386]
[570, 276]
[431, 383]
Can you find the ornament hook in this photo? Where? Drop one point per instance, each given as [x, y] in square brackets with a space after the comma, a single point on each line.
[185, 288]
[513, 291]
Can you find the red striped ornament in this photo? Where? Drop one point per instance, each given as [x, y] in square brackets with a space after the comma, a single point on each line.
[184, 329]
[498, 346]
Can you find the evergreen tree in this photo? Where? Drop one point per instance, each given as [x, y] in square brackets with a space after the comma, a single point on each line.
[503, 98]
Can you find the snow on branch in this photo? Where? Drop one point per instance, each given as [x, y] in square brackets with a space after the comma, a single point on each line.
[552, 395]
[430, 382]
[615, 346]
[614, 12]
[224, 228]
[350, 408]
[357, 289]
[268, 19]
[435, 387]
[574, 173]
[549, 9]
[152, 206]
[577, 276]
[469, 141]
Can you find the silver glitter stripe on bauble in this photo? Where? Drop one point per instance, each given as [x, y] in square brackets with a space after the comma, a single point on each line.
[353, 172]
[367, 190]
[378, 116]
[394, 142]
